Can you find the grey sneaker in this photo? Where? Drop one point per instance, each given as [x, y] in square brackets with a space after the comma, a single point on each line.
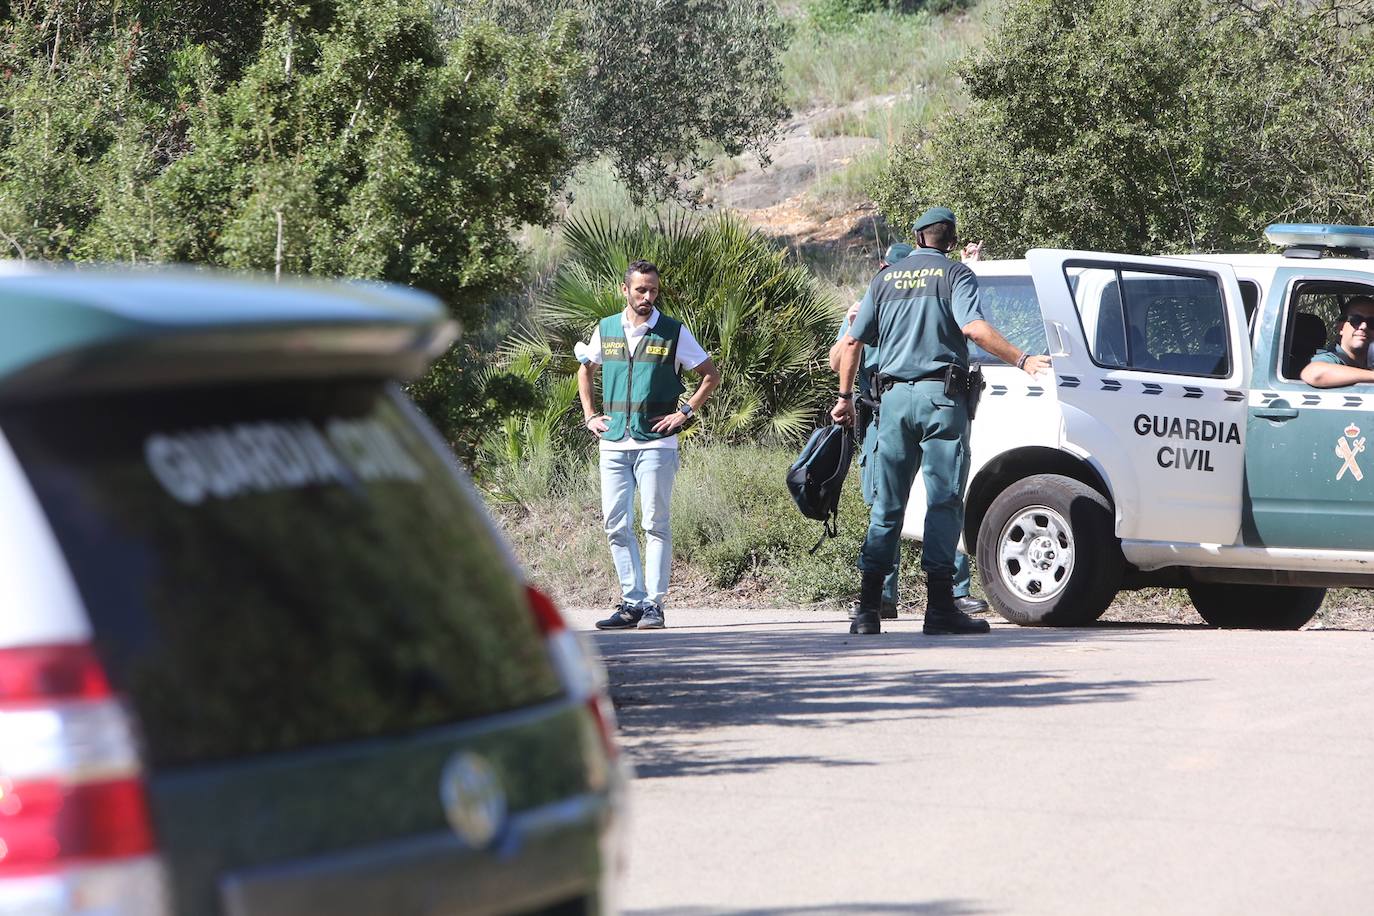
[624, 618]
[652, 619]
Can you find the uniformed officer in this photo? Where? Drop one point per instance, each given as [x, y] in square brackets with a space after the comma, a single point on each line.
[868, 443]
[1344, 362]
[920, 313]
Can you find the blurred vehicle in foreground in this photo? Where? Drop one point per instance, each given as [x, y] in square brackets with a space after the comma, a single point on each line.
[261, 650]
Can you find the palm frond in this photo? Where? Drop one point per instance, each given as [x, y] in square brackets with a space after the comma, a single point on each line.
[791, 425]
[529, 343]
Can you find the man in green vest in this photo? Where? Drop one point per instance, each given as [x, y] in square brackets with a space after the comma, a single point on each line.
[641, 354]
[868, 479]
[920, 313]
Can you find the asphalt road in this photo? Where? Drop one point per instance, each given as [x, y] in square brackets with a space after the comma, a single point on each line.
[786, 767]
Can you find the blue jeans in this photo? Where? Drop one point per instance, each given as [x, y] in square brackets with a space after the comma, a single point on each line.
[868, 480]
[651, 471]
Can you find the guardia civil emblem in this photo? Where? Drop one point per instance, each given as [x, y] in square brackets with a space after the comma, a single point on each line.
[1347, 447]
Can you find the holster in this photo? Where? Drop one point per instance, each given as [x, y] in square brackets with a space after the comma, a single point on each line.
[956, 381]
[866, 405]
[975, 388]
[865, 409]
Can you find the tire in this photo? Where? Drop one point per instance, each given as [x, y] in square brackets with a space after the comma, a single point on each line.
[1048, 552]
[1256, 607]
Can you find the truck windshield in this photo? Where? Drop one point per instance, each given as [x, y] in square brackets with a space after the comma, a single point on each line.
[279, 566]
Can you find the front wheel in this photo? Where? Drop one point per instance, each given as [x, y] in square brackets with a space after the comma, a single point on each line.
[1256, 607]
[1048, 552]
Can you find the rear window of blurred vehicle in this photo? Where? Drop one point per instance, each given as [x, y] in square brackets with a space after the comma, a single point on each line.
[276, 567]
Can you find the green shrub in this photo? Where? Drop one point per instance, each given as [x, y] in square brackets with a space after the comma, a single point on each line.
[1151, 125]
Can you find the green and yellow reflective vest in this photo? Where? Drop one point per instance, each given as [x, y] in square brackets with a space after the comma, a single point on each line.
[636, 387]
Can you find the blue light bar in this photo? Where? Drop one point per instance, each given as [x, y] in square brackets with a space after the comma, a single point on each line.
[1320, 235]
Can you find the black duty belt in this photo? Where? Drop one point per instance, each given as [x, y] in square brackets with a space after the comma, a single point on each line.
[937, 376]
[959, 382]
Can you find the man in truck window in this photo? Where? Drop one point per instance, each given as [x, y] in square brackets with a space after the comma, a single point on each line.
[920, 314]
[868, 479]
[1343, 363]
[642, 354]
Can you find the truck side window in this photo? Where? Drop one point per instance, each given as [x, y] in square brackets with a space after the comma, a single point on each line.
[1154, 322]
[1009, 303]
[1312, 321]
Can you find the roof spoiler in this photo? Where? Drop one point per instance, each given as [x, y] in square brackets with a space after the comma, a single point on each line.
[67, 331]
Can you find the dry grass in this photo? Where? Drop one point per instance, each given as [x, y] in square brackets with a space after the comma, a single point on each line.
[1345, 609]
[1152, 605]
[884, 77]
[882, 55]
[563, 548]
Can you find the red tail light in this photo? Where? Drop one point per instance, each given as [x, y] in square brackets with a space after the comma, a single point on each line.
[35, 674]
[73, 812]
[45, 823]
[581, 671]
[546, 614]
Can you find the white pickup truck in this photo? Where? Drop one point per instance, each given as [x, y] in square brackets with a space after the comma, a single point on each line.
[1173, 444]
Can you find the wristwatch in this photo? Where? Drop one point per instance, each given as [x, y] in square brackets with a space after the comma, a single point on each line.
[846, 395]
[686, 410]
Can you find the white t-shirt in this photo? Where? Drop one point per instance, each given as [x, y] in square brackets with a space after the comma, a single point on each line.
[689, 356]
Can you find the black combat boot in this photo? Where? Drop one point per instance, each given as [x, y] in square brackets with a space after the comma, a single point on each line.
[971, 605]
[889, 611]
[943, 617]
[866, 620]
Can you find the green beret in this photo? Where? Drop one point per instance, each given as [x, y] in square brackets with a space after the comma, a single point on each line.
[896, 252]
[932, 216]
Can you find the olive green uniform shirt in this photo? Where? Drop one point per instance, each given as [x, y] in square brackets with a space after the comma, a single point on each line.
[915, 311]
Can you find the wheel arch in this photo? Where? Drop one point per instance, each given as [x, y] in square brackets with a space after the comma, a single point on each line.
[1016, 464]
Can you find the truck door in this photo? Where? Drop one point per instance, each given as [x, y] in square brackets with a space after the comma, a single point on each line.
[1151, 364]
[1309, 478]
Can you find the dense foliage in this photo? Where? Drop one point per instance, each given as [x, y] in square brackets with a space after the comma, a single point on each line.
[331, 138]
[662, 81]
[832, 15]
[1162, 125]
